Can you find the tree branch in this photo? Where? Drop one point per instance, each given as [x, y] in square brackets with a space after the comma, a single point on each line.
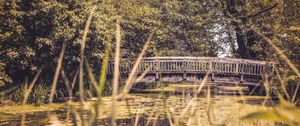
[260, 12]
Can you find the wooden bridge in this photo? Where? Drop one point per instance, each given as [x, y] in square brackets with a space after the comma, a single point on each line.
[194, 69]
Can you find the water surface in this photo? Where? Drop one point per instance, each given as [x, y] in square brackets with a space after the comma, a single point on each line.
[155, 109]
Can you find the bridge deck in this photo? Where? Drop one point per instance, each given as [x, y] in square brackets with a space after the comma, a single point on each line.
[194, 68]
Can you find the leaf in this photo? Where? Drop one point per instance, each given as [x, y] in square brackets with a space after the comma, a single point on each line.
[293, 28]
[285, 113]
[265, 115]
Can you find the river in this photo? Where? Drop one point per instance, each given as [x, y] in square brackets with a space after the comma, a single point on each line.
[154, 109]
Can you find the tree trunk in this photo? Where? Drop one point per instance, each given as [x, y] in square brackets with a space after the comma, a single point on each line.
[251, 41]
[240, 34]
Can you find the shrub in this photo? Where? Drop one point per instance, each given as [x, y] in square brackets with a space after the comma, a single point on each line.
[18, 95]
[39, 94]
[4, 78]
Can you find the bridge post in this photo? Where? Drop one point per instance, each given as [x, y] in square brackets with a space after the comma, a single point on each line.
[242, 71]
[157, 67]
[266, 75]
[242, 78]
[184, 69]
[237, 68]
[211, 69]
[271, 77]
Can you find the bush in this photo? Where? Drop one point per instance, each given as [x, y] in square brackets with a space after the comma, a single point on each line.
[4, 78]
[39, 95]
[18, 95]
[148, 85]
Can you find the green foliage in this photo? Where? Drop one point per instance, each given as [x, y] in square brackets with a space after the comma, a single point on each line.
[252, 22]
[148, 85]
[108, 87]
[40, 94]
[4, 78]
[34, 36]
[107, 90]
[18, 95]
[33, 32]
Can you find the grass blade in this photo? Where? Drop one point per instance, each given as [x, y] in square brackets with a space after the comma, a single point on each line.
[57, 71]
[82, 48]
[91, 76]
[132, 74]
[31, 86]
[102, 82]
[67, 83]
[116, 71]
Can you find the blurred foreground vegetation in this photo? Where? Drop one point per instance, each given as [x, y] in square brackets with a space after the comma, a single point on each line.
[42, 43]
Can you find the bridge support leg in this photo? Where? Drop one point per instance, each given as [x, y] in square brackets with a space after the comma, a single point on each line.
[242, 78]
[212, 76]
[157, 76]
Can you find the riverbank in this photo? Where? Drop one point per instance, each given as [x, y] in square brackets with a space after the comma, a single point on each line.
[28, 108]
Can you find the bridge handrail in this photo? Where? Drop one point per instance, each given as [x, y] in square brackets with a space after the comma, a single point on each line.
[204, 58]
[199, 64]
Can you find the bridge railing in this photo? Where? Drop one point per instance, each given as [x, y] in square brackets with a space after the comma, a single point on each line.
[196, 65]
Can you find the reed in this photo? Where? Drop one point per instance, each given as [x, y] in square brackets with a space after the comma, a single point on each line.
[28, 90]
[283, 87]
[57, 71]
[67, 84]
[132, 74]
[285, 112]
[82, 48]
[291, 65]
[116, 72]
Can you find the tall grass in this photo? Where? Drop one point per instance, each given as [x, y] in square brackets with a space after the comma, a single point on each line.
[40, 94]
[57, 71]
[28, 90]
[286, 112]
[277, 113]
[132, 74]
[37, 95]
[68, 85]
[82, 48]
[116, 72]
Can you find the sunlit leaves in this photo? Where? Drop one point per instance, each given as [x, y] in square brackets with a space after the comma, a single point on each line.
[4, 78]
[286, 112]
